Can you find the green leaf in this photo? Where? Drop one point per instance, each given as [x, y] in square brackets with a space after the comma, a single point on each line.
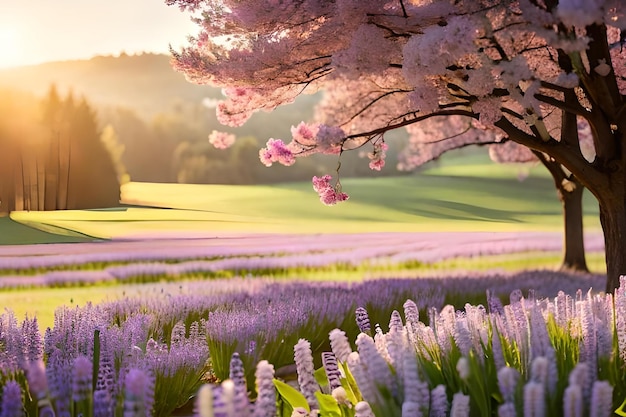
[320, 377]
[290, 395]
[350, 385]
[328, 405]
[620, 410]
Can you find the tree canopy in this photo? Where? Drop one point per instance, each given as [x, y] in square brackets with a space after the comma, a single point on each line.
[519, 68]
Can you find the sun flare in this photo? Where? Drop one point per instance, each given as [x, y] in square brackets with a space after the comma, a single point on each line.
[9, 47]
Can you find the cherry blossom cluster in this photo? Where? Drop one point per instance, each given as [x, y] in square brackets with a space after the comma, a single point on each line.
[329, 194]
[377, 157]
[221, 140]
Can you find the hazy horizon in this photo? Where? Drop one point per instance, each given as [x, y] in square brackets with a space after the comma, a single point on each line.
[41, 31]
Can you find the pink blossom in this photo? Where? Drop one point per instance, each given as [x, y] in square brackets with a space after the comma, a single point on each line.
[377, 158]
[330, 139]
[304, 134]
[221, 140]
[276, 151]
[329, 195]
[580, 12]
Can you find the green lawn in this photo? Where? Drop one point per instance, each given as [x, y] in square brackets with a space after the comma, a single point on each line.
[435, 200]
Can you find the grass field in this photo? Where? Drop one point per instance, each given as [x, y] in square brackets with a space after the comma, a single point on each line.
[454, 198]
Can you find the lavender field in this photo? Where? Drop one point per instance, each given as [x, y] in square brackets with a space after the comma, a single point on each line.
[205, 307]
[208, 327]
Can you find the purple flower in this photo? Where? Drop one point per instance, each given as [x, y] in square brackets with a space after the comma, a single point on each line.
[138, 393]
[339, 344]
[438, 402]
[12, 404]
[329, 361]
[601, 399]
[534, 399]
[265, 404]
[363, 320]
[460, 405]
[304, 366]
[81, 378]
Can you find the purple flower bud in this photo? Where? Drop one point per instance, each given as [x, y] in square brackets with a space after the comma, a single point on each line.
[460, 405]
[237, 373]
[329, 361]
[534, 400]
[265, 404]
[411, 313]
[363, 320]
[573, 401]
[37, 381]
[601, 399]
[339, 344]
[304, 366]
[81, 378]
[507, 382]
[395, 322]
[438, 402]
[12, 404]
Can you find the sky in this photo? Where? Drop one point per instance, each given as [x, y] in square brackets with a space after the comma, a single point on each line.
[35, 31]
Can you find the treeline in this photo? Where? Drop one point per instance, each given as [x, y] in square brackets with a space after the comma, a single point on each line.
[159, 125]
[52, 157]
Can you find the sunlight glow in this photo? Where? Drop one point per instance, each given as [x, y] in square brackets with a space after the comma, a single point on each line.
[9, 47]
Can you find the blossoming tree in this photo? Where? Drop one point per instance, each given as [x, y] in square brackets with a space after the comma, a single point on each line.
[518, 67]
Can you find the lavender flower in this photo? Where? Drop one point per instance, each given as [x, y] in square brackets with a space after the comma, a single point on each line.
[138, 393]
[339, 344]
[460, 405]
[573, 401]
[37, 381]
[363, 320]
[81, 378]
[265, 404]
[462, 336]
[237, 375]
[438, 402]
[463, 368]
[12, 404]
[601, 399]
[304, 366]
[376, 366]
[365, 384]
[395, 322]
[329, 362]
[415, 390]
[507, 410]
[507, 382]
[534, 400]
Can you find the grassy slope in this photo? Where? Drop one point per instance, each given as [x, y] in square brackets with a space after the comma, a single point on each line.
[457, 197]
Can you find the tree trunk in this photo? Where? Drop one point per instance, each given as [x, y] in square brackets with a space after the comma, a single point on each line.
[613, 220]
[573, 239]
[572, 203]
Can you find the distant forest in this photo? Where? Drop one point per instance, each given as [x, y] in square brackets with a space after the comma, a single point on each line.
[151, 123]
